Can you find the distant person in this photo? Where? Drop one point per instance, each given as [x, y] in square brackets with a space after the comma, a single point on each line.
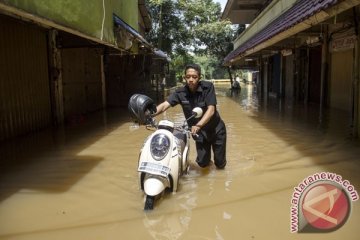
[210, 128]
[236, 83]
[163, 82]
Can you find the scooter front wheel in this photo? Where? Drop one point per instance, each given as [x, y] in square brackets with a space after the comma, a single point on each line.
[149, 202]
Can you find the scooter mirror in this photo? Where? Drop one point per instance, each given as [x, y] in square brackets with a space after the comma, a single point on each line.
[197, 112]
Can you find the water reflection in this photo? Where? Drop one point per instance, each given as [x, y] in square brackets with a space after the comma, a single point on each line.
[173, 223]
[81, 182]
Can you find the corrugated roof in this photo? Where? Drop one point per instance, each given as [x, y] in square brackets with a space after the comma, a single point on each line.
[302, 10]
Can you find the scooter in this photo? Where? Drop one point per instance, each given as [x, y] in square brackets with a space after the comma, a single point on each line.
[164, 157]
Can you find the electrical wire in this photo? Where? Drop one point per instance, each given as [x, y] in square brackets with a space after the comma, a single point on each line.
[103, 21]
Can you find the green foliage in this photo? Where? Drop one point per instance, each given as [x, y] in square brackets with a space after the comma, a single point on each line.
[168, 30]
[178, 62]
[191, 30]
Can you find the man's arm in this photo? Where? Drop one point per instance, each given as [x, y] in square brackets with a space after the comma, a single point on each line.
[162, 108]
[204, 120]
[206, 117]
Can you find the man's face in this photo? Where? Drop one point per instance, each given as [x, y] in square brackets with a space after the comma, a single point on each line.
[192, 79]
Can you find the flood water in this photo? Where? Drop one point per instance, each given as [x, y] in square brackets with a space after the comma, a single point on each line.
[81, 182]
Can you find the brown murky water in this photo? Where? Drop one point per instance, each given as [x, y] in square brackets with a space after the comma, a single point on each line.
[81, 182]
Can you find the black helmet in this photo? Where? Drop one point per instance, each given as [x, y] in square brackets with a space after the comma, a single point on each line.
[138, 105]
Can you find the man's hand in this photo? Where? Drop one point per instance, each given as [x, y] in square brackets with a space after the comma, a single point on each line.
[195, 129]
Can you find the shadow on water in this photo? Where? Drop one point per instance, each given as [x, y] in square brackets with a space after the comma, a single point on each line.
[49, 161]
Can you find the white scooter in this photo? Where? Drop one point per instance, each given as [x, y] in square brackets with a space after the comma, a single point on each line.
[164, 158]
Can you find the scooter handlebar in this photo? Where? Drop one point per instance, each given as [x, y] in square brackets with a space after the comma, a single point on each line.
[186, 130]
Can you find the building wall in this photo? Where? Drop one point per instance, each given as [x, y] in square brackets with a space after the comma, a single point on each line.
[314, 82]
[289, 77]
[126, 75]
[275, 87]
[82, 81]
[341, 79]
[301, 66]
[24, 82]
[51, 75]
[93, 18]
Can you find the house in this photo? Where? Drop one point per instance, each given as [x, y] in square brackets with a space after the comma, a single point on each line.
[303, 51]
[63, 59]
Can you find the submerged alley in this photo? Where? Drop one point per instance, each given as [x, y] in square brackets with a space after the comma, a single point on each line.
[81, 181]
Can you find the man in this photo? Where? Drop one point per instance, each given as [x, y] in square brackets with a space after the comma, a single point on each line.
[210, 128]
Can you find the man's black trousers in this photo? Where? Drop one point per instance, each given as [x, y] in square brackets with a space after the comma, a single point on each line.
[216, 140]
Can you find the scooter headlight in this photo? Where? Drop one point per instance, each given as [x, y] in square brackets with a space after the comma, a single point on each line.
[159, 146]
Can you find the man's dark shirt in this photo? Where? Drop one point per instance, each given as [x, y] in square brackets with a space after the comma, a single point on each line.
[203, 97]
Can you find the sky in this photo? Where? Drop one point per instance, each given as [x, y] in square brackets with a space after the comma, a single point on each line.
[222, 2]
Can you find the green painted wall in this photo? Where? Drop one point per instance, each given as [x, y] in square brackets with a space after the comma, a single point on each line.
[274, 10]
[85, 16]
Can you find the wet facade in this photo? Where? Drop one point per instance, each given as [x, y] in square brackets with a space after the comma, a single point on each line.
[59, 64]
[301, 52]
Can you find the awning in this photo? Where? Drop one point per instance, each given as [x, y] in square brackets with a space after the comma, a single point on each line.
[243, 11]
[160, 54]
[120, 23]
[299, 12]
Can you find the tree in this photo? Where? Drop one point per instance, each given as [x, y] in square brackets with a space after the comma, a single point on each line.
[178, 62]
[190, 27]
[217, 36]
[168, 28]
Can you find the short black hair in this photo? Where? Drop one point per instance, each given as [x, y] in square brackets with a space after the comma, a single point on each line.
[193, 66]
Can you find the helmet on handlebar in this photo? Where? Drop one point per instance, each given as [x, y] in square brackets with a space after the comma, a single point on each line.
[140, 107]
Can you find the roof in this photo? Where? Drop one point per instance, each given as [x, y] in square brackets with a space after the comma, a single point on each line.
[119, 22]
[300, 11]
[161, 55]
[243, 11]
